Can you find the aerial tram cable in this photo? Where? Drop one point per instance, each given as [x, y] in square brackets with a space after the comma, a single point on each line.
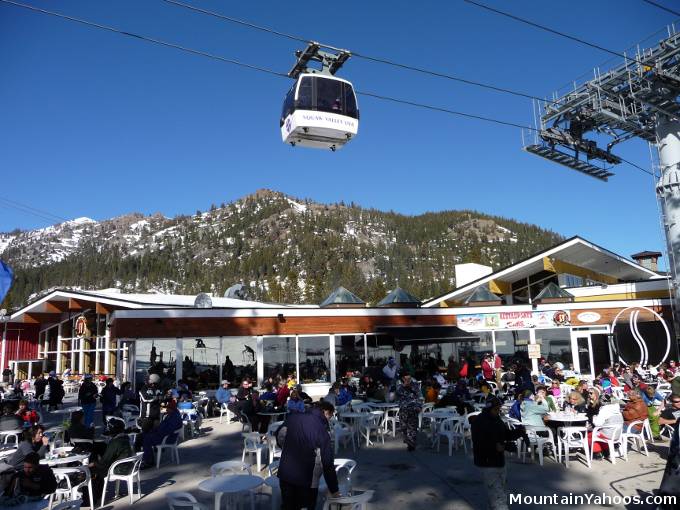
[662, 7]
[21, 207]
[257, 68]
[355, 54]
[553, 31]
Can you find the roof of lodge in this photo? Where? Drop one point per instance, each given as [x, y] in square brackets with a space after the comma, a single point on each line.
[576, 251]
[114, 297]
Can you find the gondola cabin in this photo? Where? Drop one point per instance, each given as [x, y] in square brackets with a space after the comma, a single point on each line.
[319, 111]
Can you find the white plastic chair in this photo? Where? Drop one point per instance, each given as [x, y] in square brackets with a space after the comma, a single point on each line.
[225, 410]
[467, 430]
[233, 467]
[426, 408]
[129, 479]
[372, 423]
[573, 438]
[5, 435]
[342, 432]
[539, 441]
[252, 445]
[639, 439]
[272, 481]
[182, 501]
[451, 429]
[354, 502]
[71, 492]
[391, 421]
[168, 445]
[68, 505]
[616, 432]
[274, 450]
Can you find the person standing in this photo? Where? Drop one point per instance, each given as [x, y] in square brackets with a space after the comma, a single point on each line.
[306, 455]
[390, 371]
[670, 483]
[56, 390]
[488, 445]
[109, 397]
[150, 398]
[39, 385]
[408, 397]
[87, 398]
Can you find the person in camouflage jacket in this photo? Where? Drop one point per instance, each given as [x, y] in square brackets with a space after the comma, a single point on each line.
[410, 405]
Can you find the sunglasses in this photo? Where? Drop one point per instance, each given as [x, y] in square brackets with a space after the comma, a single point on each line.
[675, 401]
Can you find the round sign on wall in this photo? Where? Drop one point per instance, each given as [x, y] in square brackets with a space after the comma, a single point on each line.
[589, 317]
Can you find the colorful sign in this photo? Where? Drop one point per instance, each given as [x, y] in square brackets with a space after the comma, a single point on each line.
[81, 327]
[513, 320]
[534, 351]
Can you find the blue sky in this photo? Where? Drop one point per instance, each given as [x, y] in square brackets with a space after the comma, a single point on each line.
[96, 124]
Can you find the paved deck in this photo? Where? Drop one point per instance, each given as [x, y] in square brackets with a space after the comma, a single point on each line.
[423, 479]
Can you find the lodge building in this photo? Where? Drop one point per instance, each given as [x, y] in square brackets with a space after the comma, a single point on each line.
[576, 302]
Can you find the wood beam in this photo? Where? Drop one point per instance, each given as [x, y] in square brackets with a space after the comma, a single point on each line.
[41, 318]
[560, 266]
[500, 287]
[78, 305]
[56, 306]
[104, 309]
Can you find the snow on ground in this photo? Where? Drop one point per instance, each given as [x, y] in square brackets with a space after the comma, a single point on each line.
[297, 206]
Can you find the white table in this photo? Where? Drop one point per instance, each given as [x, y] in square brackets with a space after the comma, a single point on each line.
[567, 418]
[82, 458]
[229, 485]
[436, 417]
[355, 418]
[66, 410]
[385, 407]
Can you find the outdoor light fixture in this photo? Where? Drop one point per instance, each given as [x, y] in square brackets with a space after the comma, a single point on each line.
[281, 317]
[200, 344]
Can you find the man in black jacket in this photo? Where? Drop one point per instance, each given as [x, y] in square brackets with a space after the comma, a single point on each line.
[306, 455]
[489, 435]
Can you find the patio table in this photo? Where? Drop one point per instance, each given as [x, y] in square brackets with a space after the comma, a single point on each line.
[230, 485]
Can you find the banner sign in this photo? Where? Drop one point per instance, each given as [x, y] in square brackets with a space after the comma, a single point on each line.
[513, 320]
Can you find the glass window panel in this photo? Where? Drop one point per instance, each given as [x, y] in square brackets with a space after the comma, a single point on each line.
[512, 344]
[157, 356]
[201, 364]
[329, 95]
[555, 345]
[242, 354]
[314, 359]
[349, 355]
[287, 105]
[304, 100]
[350, 102]
[279, 356]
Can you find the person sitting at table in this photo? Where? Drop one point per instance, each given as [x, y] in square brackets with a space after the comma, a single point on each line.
[28, 416]
[269, 395]
[651, 396]
[108, 397]
[450, 398]
[34, 481]
[295, 403]
[574, 402]
[608, 418]
[635, 410]
[282, 394]
[118, 448]
[10, 420]
[332, 395]
[33, 442]
[167, 427]
[303, 396]
[430, 392]
[671, 413]
[555, 390]
[593, 404]
[534, 409]
[582, 388]
[345, 395]
[77, 429]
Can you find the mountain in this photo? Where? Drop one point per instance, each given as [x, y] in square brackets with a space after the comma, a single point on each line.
[282, 248]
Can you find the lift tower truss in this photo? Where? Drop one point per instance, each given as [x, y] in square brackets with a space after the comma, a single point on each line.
[636, 99]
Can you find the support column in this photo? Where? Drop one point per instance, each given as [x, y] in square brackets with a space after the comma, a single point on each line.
[81, 355]
[107, 346]
[47, 344]
[331, 342]
[534, 361]
[259, 360]
[179, 357]
[668, 193]
[4, 346]
[58, 367]
[297, 359]
[365, 350]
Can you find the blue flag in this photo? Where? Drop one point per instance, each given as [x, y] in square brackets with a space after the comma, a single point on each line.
[6, 277]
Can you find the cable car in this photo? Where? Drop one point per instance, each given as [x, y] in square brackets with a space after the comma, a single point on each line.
[320, 110]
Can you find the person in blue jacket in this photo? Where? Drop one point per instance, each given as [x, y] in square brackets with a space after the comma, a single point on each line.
[306, 455]
[168, 427]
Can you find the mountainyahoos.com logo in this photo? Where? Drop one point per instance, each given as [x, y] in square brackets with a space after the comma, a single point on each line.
[591, 499]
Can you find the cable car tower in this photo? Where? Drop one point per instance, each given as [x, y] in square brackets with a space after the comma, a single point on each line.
[320, 109]
[636, 99]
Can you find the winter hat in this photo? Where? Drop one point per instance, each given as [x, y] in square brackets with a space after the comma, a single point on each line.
[492, 402]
